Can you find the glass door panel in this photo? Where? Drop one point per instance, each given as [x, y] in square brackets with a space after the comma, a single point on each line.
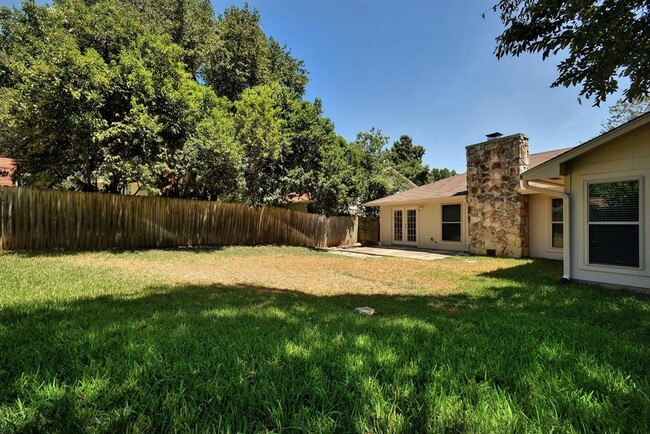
[411, 225]
[398, 221]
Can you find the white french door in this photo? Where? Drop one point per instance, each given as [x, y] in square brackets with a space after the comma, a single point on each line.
[405, 226]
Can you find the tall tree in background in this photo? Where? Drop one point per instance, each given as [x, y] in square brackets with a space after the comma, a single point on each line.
[623, 111]
[604, 41]
[189, 23]
[438, 174]
[336, 189]
[261, 131]
[368, 155]
[209, 165]
[242, 57]
[406, 158]
[314, 162]
[92, 95]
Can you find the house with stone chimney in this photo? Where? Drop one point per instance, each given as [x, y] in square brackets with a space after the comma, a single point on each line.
[587, 206]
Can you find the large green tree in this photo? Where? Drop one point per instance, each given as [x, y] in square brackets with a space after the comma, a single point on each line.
[189, 23]
[290, 147]
[242, 56]
[315, 162]
[262, 131]
[602, 41]
[96, 100]
[368, 155]
[406, 157]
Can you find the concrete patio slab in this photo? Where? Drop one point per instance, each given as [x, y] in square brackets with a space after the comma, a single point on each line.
[396, 252]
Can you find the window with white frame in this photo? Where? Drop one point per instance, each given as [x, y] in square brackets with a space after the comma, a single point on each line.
[451, 222]
[614, 223]
[557, 223]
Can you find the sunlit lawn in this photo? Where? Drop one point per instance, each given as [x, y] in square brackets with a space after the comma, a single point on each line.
[264, 339]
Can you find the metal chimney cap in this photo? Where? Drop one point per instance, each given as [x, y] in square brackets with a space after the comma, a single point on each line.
[494, 135]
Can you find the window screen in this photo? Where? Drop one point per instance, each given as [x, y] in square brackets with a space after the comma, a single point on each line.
[451, 222]
[614, 223]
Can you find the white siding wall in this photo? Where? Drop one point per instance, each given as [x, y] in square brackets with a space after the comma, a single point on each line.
[540, 228]
[625, 158]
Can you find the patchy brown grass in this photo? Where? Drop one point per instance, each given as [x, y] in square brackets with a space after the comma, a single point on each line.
[308, 271]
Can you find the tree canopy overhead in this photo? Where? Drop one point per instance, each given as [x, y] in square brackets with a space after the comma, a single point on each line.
[604, 41]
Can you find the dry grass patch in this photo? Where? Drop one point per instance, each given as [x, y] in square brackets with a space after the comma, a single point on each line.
[309, 271]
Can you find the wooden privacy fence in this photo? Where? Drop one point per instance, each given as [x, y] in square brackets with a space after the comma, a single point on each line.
[43, 219]
[368, 230]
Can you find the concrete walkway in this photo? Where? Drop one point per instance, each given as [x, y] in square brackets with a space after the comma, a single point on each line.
[395, 252]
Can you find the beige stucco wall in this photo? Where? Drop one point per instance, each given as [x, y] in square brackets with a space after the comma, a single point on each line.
[540, 229]
[429, 224]
[385, 226]
[628, 157]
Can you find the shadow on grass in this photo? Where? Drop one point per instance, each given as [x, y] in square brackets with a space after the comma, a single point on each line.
[520, 356]
[54, 253]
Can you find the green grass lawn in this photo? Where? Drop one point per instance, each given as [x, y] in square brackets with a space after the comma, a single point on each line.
[264, 340]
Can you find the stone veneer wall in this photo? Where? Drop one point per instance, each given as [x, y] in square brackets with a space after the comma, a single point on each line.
[497, 212]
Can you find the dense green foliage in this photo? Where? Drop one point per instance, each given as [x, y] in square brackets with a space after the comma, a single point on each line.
[438, 174]
[242, 56]
[189, 23]
[93, 342]
[97, 95]
[604, 41]
[406, 157]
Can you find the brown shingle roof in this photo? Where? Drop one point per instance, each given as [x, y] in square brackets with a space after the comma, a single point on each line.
[452, 186]
[7, 166]
[543, 157]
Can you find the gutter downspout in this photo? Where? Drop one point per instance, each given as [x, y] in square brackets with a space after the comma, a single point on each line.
[566, 253]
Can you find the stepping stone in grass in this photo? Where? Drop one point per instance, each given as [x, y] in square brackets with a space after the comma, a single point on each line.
[365, 310]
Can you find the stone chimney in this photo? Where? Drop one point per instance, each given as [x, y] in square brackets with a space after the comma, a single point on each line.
[497, 212]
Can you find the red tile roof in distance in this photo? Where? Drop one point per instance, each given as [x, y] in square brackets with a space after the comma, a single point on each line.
[7, 166]
[453, 186]
[297, 198]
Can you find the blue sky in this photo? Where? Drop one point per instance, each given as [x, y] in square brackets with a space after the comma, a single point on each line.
[425, 68]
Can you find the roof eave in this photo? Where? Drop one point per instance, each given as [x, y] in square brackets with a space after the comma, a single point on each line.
[557, 166]
[381, 202]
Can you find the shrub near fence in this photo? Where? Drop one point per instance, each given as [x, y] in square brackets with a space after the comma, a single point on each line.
[44, 219]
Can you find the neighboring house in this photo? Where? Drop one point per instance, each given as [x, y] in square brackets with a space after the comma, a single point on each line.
[585, 204]
[297, 202]
[7, 167]
[129, 189]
